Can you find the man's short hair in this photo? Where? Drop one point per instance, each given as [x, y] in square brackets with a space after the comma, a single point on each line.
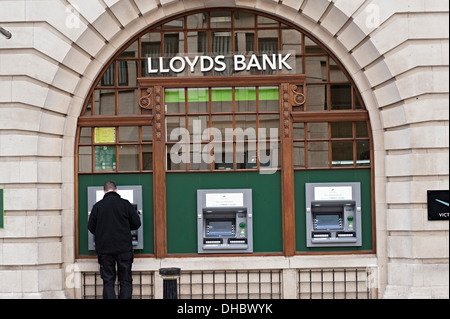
[109, 186]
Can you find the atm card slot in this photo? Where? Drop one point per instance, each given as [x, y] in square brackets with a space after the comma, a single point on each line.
[321, 235]
[214, 242]
[237, 241]
[346, 235]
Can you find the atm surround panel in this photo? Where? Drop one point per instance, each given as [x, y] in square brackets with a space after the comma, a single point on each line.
[224, 225]
[134, 195]
[333, 215]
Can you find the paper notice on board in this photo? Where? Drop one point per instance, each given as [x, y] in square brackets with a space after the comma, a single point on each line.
[105, 135]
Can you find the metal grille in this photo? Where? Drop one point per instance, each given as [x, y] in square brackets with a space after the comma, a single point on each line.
[334, 284]
[249, 284]
[143, 285]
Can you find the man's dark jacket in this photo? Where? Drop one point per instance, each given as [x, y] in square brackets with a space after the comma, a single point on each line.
[111, 222]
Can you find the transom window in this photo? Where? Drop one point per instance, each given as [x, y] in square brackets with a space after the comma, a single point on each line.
[115, 134]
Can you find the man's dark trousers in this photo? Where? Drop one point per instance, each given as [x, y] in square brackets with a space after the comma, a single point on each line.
[108, 274]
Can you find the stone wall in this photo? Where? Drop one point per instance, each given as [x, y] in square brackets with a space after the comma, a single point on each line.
[396, 51]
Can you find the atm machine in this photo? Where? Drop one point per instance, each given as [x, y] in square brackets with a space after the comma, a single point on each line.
[333, 215]
[131, 193]
[224, 221]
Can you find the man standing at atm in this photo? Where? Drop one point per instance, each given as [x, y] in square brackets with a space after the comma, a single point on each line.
[111, 221]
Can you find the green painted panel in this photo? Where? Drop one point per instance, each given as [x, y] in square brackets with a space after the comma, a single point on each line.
[338, 176]
[182, 208]
[2, 209]
[221, 95]
[146, 180]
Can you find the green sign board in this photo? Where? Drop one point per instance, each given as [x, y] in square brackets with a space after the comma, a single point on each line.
[2, 210]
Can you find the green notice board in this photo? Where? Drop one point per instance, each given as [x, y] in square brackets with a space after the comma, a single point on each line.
[2, 210]
[182, 208]
[362, 176]
[146, 180]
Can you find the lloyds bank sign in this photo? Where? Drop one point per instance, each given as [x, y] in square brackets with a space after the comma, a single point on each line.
[220, 63]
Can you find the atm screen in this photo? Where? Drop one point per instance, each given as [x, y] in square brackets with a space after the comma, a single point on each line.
[328, 221]
[220, 228]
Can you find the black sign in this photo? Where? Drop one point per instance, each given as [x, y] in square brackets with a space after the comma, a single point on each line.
[438, 208]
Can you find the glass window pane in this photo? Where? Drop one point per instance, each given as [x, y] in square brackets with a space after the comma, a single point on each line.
[342, 130]
[85, 159]
[358, 104]
[244, 42]
[318, 154]
[267, 22]
[269, 155]
[291, 41]
[196, 161]
[147, 157]
[270, 124]
[197, 43]
[244, 20]
[222, 100]
[128, 73]
[221, 43]
[245, 99]
[198, 100]
[269, 99]
[245, 127]
[105, 102]
[174, 24]
[88, 110]
[109, 77]
[220, 123]
[173, 45]
[128, 102]
[268, 41]
[129, 158]
[342, 153]
[246, 155]
[361, 129]
[197, 21]
[299, 155]
[316, 98]
[197, 124]
[128, 134]
[223, 155]
[175, 129]
[363, 153]
[341, 97]
[131, 52]
[147, 132]
[299, 131]
[175, 100]
[316, 69]
[151, 45]
[85, 135]
[177, 156]
[336, 73]
[220, 19]
[312, 47]
[317, 131]
[105, 158]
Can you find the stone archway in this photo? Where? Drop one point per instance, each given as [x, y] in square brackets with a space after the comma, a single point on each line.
[328, 23]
